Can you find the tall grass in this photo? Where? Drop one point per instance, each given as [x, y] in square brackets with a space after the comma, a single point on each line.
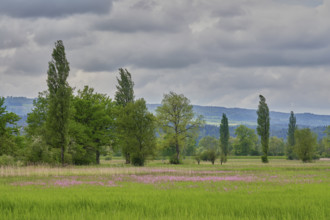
[138, 201]
[281, 190]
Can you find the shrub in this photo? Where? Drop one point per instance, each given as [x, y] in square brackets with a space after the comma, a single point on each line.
[108, 157]
[137, 159]
[198, 158]
[306, 141]
[6, 160]
[264, 159]
[174, 160]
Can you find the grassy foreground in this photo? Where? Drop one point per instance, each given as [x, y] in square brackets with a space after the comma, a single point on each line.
[240, 189]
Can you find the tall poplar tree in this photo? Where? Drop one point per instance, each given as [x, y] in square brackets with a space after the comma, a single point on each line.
[125, 91]
[59, 99]
[224, 138]
[263, 127]
[291, 139]
[123, 96]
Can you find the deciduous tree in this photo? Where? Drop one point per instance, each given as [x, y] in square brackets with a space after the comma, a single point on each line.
[93, 126]
[246, 139]
[209, 146]
[8, 130]
[177, 121]
[306, 142]
[276, 146]
[136, 128]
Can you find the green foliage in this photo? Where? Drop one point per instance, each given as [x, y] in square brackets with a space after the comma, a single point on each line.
[245, 141]
[58, 113]
[224, 138]
[125, 91]
[209, 147]
[197, 157]
[39, 152]
[137, 159]
[176, 121]
[263, 127]
[290, 137]
[7, 160]
[92, 126]
[209, 143]
[123, 96]
[174, 159]
[306, 142]
[324, 145]
[37, 118]
[276, 146]
[8, 130]
[136, 131]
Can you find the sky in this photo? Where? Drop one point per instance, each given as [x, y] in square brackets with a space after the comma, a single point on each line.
[216, 53]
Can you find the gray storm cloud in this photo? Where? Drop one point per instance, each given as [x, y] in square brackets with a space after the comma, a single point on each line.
[215, 52]
[58, 8]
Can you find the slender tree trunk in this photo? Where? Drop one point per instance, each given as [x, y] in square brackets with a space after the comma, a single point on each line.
[62, 148]
[177, 144]
[62, 155]
[177, 150]
[127, 158]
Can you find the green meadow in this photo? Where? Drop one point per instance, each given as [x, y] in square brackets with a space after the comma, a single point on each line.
[240, 189]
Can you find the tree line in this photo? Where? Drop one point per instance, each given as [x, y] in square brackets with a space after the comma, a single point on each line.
[67, 128]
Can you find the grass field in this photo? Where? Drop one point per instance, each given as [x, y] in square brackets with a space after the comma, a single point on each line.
[240, 189]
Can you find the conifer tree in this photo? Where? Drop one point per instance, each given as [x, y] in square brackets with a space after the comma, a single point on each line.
[224, 138]
[59, 99]
[263, 127]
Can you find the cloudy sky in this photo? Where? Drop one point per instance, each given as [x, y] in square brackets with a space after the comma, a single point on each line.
[217, 53]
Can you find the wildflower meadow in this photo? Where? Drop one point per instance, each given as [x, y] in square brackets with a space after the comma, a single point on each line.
[239, 189]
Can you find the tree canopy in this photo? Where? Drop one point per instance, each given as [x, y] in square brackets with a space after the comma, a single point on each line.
[306, 142]
[246, 139]
[177, 122]
[8, 130]
[136, 129]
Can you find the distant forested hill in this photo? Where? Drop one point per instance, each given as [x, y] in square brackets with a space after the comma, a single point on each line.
[212, 115]
[237, 116]
[19, 105]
